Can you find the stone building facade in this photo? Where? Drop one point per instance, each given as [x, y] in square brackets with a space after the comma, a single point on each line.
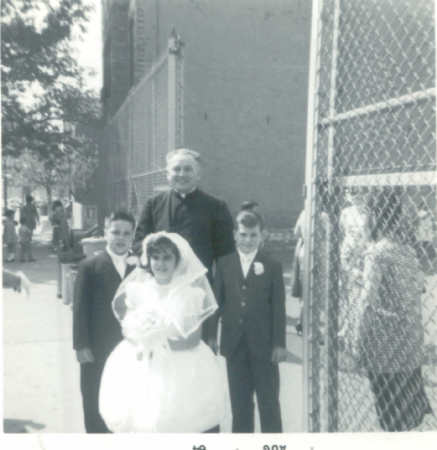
[245, 88]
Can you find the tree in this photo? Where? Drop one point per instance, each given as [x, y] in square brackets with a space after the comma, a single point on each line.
[70, 174]
[44, 95]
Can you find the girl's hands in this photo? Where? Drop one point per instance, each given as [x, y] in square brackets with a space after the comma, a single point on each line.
[185, 343]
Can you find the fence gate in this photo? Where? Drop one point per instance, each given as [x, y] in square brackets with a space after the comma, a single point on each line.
[371, 165]
[147, 125]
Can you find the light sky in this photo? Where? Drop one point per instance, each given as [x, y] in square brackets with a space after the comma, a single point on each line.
[90, 49]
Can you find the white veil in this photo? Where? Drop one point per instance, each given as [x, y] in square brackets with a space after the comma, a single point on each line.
[190, 299]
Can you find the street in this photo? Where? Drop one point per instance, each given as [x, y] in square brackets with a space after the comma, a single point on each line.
[41, 375]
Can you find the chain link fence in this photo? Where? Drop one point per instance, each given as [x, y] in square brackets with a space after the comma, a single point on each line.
[137, 138]
[370, 315]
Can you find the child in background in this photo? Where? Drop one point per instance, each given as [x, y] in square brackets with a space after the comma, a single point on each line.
[25, 241]
[9, 235]
[425, 229]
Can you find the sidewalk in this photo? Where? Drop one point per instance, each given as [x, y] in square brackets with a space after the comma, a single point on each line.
[41, 375]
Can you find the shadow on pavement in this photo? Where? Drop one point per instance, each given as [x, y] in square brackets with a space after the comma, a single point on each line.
[20, 426]
[43, 270]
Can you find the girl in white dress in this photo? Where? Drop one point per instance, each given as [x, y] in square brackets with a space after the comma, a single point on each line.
[162, 377]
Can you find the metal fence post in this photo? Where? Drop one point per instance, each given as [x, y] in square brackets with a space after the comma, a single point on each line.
[435, 94]
[331, 312]
[310, 348]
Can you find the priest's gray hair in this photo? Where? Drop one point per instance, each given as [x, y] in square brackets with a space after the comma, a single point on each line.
[184, 152]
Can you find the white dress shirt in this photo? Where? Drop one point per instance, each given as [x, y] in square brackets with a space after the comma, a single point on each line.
[246, 260]
[119, 261]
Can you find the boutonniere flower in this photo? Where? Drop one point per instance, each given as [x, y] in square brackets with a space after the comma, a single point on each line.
[133, 260]
[258, 268]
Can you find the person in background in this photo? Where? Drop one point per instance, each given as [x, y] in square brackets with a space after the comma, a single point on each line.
[298, 265]
[321, 237]
[250, 291]
[25, 242]
[62, 234]
[10, 235]
[67, 242]
[354, 242]
[384, 332]
[55, 221]
[30, 215]
[425, 232]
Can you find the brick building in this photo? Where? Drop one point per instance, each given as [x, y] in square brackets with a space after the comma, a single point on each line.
[244, 94]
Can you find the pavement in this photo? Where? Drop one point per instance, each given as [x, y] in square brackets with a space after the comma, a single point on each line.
[41, 375]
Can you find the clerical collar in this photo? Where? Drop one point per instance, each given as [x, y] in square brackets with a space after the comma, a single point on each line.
[184, 194]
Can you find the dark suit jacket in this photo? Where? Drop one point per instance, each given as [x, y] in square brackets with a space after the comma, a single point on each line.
[207, 225]
[94, 323]
[253, 306]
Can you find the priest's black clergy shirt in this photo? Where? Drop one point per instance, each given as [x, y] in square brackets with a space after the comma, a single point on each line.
[203, 220]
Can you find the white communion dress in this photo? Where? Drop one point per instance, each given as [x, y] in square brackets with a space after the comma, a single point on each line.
[146, 385]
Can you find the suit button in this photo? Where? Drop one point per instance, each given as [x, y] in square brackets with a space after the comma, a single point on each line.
[244, 287]
[241, 321]
[243, 303]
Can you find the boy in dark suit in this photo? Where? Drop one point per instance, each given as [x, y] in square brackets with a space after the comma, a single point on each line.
[250, 291]
[96, 331]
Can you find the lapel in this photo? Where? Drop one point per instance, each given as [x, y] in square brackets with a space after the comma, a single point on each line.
[110, 265]
[129, 268]
[236, 268]
[251, 276]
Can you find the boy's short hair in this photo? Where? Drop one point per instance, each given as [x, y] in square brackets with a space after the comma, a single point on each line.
[184, 152]
[249, 205]
[249, 219]
[29, 198]
[122, 214]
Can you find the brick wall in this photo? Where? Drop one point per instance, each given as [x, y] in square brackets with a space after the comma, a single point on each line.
[245, 92]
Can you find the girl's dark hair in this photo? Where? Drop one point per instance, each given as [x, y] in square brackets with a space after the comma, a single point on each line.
[161, 244]
[249, 215]
[386, 213]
